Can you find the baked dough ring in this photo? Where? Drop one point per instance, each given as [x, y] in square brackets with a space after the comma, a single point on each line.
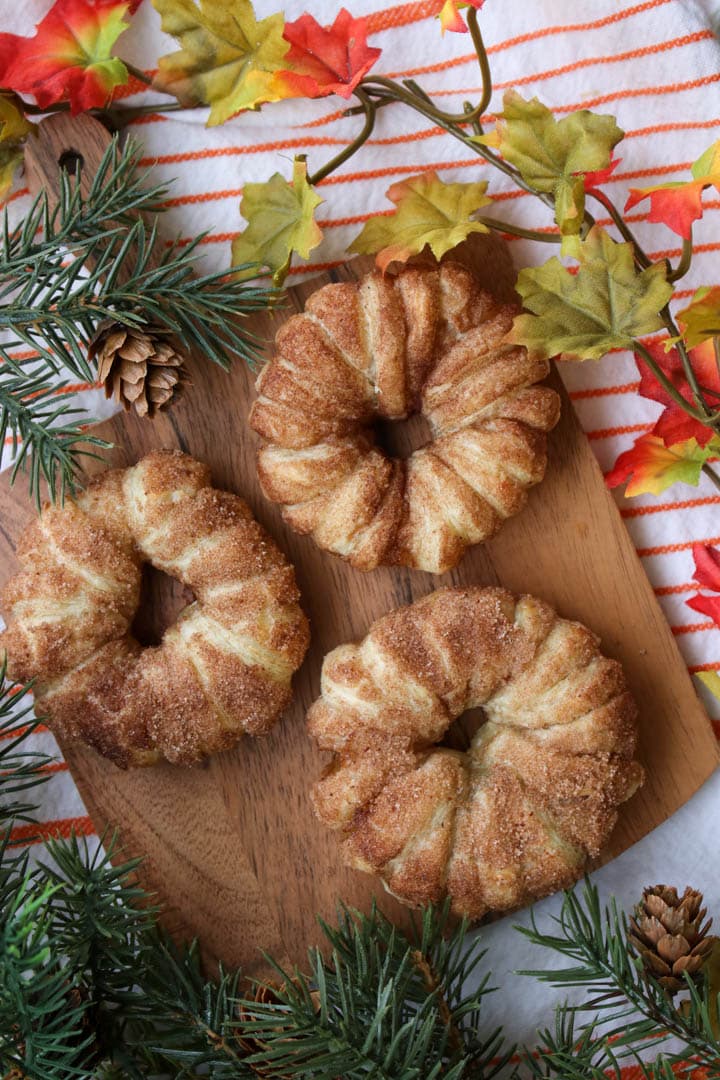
[515, 817]
[429, 341]
[222, 669]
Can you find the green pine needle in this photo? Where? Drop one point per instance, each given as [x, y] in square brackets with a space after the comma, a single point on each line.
[90, 258]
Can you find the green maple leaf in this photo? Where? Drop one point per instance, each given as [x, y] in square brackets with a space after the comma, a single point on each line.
[429, 213]
[280, 221]
[605, 305]
[228, 60]
[550, 153]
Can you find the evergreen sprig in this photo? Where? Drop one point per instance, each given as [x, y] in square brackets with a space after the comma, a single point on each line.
[95, 256]
[627, 1012]
[92, 987]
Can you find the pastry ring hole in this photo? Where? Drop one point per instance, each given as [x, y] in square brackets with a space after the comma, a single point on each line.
[162, 598]
[401, 438]
[464, 728]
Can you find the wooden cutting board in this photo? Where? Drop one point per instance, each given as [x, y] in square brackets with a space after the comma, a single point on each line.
[231, 847]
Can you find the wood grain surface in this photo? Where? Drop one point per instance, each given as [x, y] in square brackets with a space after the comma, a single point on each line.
[231, 847]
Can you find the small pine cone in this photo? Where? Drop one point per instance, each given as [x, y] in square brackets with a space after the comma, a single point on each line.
[139, 366]
[669, 935]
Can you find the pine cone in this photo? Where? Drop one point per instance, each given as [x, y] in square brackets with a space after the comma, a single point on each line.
[669, 935]
[138, 366]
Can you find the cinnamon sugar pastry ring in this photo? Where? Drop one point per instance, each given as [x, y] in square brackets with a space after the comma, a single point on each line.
[224, 667]
[429, 341]
[515, 817]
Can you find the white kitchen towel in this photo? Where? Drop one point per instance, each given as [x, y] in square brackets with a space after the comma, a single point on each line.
[655, 65]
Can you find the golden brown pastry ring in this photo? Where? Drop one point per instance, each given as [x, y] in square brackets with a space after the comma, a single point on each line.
[515, 817]
[224, 667]
[428, 340]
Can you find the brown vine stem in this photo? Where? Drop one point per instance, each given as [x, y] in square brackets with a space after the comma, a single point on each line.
[667, 385]
[709, 417]
[369, 108]
[516, 230]
[685, 259]
[711, 474]
[627, 234]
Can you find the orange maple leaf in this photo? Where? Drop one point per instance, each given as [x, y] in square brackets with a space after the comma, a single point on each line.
[678, 203]
[69, 57]
[450, 17]
[649, 466]
[326, 59]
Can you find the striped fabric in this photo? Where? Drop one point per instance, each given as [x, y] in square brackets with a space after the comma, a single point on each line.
[654, 65]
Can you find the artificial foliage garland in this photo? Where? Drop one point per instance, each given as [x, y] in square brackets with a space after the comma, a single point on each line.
[91, 985]
[613, 298]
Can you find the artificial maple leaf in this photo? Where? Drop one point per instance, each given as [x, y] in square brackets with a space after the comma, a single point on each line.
[69, 57]
[711, 680]
[229, 60]
[605, 305]
[707, 566]
[678, 204]
[706, 605]
[450, 17]
[674, 425]
[700, 320]
[326, 60]
[553, 155]
[280, 221]
[14, 129]
[595, 178]
[650, 466]
[429, 213]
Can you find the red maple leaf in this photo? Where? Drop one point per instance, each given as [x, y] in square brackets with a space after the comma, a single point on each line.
[674, 425]
[69, 57]
[707, 573]
[326, 59]
[596, 177]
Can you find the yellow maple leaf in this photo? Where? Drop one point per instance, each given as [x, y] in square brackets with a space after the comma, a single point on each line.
[711, 680]
[430, 213]
[14, 128]
[700, 320]
[228, 60]
[280, 221]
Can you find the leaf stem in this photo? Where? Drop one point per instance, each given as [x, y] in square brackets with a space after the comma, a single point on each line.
[627, 234]
[483, 61]
[667, 385]
[517, 230]
[125, 114]
[711, 474]
[362, 137]
[139, 74]
[685, 259]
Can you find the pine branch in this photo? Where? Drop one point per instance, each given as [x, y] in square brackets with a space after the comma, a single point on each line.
[33, 419]
[21, 769]
[633, 1009]
[384, 1005]
[90, 258]
[120, 268]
